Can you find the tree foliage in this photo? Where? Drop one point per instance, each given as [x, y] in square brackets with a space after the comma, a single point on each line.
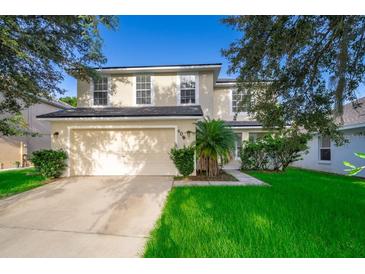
[15, 125]
[71, 100]
[214, 142]
[35, 51]
[299, 68]
[275, 151]
[352, 169]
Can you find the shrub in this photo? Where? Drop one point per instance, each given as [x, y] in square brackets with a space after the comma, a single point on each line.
[292, 144]
[274, 151]
[49, 163]
[183, 159]
[253, 155]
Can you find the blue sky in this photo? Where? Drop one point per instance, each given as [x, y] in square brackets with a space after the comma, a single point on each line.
[160, 40]
[167, 40]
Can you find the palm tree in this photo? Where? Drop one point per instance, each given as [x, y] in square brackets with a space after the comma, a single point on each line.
[214, 141]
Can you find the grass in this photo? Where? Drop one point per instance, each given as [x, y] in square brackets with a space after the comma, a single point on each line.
[16, 181]
[303, 214]
[223, 176]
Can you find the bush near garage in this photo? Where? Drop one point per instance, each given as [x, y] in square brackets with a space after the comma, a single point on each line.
[183, 159]
[49, 163]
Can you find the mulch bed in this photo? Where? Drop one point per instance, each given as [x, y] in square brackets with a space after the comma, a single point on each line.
[221, 177]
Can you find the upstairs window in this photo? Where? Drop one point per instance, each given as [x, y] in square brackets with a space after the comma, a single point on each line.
[187, 89]
[143, 90]
[101, 91]
[324, 148]
[240, 101]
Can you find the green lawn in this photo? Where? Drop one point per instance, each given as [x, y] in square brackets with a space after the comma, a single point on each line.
[303, 214]
[15, 181]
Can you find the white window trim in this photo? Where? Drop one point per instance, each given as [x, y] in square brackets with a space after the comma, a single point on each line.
[319, 151]
[178, 91]
[152, 91]
[236, 152]
[232, 113]
[108, 94]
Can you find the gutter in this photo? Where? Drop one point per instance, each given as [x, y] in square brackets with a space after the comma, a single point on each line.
[353, 126]
[134, 118]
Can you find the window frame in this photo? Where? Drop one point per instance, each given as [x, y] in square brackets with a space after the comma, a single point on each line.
[231, 104]
[320, 148]
[238, 145]
[178, 83]
[256, 135]
[92, 89]
[135, 90]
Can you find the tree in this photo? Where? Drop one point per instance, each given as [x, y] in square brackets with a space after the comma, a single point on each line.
[71, 100]
[299, 69]
[214, 141]
[35, 51]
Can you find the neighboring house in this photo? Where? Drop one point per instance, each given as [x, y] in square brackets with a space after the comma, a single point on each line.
[127, 121]
[324, 155]
[15, 150]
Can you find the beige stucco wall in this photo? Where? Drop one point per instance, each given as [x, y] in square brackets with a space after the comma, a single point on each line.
[83, 94]
[185, 135]
[165, 90]
[11, 151]
[206, 84]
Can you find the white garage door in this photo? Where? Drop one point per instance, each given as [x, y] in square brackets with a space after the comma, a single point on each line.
[122, 151]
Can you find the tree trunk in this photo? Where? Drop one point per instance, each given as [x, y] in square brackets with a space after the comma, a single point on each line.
[341, 71]
[209, 166]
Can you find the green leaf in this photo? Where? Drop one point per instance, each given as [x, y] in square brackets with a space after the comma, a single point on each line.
[360, 155]
[355, 171]
[348, 164]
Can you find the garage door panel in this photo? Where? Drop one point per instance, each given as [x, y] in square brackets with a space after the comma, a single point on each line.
[122, 152]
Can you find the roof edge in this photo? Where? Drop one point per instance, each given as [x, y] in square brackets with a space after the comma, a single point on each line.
[55, 103]
[158, 66]
[121, 118]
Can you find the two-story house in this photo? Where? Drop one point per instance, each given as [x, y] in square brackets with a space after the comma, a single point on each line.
[127, 121]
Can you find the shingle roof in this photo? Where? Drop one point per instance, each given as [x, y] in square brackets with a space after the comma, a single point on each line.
[158, 66]
[353, 116]
[243, 123]
[126, 112]
[226, 80]
[55, 103]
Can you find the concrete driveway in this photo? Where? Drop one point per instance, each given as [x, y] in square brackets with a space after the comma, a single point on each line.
[83, 217]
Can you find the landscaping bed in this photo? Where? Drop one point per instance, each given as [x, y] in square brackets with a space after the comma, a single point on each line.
[304, 214]
[223, 176]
